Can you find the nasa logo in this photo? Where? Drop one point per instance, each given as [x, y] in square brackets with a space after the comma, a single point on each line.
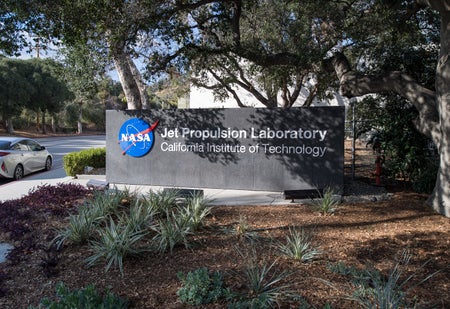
[136, 137]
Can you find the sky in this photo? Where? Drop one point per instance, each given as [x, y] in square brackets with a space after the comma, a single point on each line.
[51, 52]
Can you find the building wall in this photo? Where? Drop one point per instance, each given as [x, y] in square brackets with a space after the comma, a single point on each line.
[204, 98]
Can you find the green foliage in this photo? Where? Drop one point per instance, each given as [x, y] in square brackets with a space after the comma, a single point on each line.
[178, 219]
[94, 114]
[327, 202]
[201, 287]
[243, 230]
[15, 88]
[426, 177]
[139, 217]
[195, 210]
[373, 290]
[80, 228]
[299, 246]
[171, 231]
[81, 225]
[111, 202]
[120, 223]
[162, 201]
[115, 242]
[407, 152]
[264, 284]
[86, 298]
[75, 162]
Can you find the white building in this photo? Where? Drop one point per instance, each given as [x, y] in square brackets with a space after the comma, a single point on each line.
[204, 98]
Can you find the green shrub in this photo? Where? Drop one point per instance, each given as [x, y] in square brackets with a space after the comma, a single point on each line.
[104, 204]
[171, 231]
[243, 230]
[162, 201]
[407, 152]
[80, 228]
[88, 298]
[139, 217]
[201, 287]
[265, 286]
[115, 242]
[75, 162]
[375, 290]
[299, 246]
[195, 210]
[121, 223]
[327, 202]
[425, 178]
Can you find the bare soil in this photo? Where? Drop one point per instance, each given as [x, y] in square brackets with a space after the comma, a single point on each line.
[359, 234]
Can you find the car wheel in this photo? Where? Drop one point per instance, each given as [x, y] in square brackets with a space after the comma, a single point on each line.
[18, 172]
[48, 164]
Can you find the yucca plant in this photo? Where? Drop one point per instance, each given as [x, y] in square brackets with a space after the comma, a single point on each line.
[327, 202]
[376, 291]
[104, 204]
[299, 246]
[125, 196]
[80, 228]
[139, 217]
[115, 242]
[162, 201]
[265, 286]
[172, 230]
[195, 210]
[243, 230]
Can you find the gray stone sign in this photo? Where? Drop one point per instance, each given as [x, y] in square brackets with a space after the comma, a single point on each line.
[248, 148]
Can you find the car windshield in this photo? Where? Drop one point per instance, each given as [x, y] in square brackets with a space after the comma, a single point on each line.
[4, 145]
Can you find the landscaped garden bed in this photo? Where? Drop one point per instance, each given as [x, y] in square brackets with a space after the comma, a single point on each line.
[358, 245]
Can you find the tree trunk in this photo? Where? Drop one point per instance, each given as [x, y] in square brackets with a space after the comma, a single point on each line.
[9, 126]
[80, 119]
[53, 124]
[44, 129]
[38, 120]
[145, 103]
[440, 198]
[434, 108]
[127, 80]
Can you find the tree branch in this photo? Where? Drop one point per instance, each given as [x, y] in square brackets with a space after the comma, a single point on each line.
[228, 88]
[438, 5]
[353, 84]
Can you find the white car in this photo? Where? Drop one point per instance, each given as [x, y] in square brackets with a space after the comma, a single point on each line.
[21, 156]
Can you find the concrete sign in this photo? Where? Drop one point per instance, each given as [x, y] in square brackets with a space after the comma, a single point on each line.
[248, 148]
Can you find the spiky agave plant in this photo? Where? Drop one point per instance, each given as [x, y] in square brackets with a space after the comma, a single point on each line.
[171, 230]
[390, 292]
[161, 201]
[195, 210]
[327, 202]
[139, 217]
[299, 246]
[114, 243]
[265, 285]
[80, 229]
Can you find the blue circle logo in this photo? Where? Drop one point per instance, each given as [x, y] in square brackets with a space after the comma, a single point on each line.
[136, 137]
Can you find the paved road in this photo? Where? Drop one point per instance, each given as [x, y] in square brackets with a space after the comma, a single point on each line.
[58, 146]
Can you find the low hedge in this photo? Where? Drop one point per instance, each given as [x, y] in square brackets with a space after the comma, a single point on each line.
[75, 162]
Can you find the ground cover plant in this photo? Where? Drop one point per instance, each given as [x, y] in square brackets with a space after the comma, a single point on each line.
[253, 272]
